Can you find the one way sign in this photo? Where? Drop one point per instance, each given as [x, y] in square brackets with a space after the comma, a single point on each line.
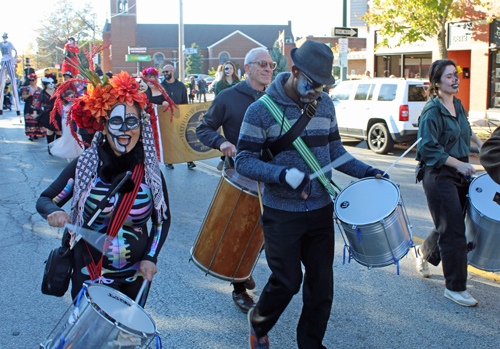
[351, 32]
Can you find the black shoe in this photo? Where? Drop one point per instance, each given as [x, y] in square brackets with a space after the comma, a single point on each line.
[191, 165]
[1, 112]
[244, 301]
[169, 166]
[48, 148]
[31, 138]
[249, 283]
[35, 137]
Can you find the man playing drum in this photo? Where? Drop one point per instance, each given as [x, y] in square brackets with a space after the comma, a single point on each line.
[297, 219]
[227, 110]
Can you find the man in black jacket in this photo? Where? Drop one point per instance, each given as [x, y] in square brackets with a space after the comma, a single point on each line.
[178, 93]
[227, 110]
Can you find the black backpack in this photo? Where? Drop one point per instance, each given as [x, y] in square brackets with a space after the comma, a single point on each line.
[58, 269]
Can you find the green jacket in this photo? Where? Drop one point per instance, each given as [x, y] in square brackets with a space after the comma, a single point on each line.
[218, 86]
[438, 128]
[490, 156]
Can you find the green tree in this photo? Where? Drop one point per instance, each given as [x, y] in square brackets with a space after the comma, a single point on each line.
[416, 20]
[64, 21]
[194, 64]
[280, 59]
[211, 72]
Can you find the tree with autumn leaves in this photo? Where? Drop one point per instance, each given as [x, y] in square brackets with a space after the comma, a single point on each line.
[416, 20]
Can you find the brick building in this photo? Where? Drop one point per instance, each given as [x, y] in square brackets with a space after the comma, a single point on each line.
[216, 43]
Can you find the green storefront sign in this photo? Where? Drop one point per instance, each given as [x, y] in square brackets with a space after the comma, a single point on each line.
[137, 58]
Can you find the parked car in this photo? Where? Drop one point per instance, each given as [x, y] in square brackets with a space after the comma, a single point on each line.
[382, 111]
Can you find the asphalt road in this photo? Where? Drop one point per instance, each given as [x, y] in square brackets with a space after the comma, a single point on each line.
[373, 308]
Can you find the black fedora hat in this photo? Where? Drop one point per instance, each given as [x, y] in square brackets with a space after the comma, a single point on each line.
[316, 60]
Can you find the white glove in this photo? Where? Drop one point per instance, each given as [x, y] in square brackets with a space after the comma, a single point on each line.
[294, 177]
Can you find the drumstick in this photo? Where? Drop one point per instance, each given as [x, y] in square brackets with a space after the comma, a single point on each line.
[336, 163]
[139, 295]
[406, 152]
[260, 199]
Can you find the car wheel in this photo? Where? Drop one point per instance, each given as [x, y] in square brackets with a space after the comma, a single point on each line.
[379, 139]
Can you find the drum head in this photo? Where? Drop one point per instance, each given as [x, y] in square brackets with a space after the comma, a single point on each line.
[241, 181]
[366, 201]
[121, 308]
[484, 194]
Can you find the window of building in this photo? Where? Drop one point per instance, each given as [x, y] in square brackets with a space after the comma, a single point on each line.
[159, 59]
[224, 57]
[387, 92]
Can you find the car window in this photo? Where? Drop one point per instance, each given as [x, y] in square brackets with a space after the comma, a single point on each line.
[342, 92]
[387, 92]
[370, 94]
[362, 92]
[417, 93]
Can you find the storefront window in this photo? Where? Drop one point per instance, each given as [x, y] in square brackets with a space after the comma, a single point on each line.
[415, 66]
[495, 80]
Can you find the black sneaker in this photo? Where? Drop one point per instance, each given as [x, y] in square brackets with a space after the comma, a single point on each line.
[191, 165]
[169, 166]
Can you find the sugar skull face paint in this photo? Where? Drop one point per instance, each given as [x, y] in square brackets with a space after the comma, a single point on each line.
[123, 128]
[228, 70]
[307, 88]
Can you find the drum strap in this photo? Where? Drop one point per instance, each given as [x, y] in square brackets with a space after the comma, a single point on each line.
[122, 210]
[298, 143]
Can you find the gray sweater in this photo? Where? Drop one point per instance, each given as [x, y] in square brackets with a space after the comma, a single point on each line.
[321, 136]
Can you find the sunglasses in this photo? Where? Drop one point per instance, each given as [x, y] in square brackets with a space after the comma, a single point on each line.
[166, 72]
[131, 122]
[311, 84]
[263, 64]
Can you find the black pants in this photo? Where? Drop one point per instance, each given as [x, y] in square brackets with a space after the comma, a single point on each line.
[446, 192]
[291, 238]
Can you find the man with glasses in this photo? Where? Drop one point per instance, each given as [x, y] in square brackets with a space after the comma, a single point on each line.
[227, 111]
[297, 219]
[177, 92]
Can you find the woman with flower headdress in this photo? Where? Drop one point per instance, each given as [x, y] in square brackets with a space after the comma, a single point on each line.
[123, 143]
[44, 106]
[156, 96]
[30, 96]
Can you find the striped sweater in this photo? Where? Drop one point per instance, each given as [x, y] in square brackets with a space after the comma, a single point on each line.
[321, 136]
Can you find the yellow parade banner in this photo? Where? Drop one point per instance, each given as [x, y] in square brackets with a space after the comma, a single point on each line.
[178, 138]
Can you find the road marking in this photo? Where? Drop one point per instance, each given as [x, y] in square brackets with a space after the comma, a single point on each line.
[486, 274]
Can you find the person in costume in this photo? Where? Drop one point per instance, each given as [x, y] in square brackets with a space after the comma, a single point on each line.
[8, 66]
[30, 95]
[44, 106]
[27, 71]
[229, 78]
[123, 142]
[156, 97]
[297, 219]
[445, 148]
[70, 62]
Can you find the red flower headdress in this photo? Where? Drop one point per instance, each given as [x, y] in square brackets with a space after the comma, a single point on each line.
[90, 109]
[150, 71]
[32, 76]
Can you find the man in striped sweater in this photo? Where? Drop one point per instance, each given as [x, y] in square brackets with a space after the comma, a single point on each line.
[298, 212]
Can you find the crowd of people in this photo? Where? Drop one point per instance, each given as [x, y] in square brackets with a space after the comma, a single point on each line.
[116, 145]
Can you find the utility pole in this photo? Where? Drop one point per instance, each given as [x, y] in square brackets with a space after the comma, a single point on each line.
[181, 43]
[344, 24]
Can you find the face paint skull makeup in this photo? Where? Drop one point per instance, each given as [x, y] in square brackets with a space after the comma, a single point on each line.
[123, 128]
[228, 70]
[306, 86]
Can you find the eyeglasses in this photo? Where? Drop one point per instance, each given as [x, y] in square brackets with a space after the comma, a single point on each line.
[131, 122]
[311, 84]
[263, 64]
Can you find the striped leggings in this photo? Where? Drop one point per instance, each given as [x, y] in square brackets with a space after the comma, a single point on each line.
[9, 67]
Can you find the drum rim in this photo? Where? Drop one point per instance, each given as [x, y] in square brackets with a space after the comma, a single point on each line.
[113, 321]
[362, 179]
[472, 203]
[237, 186]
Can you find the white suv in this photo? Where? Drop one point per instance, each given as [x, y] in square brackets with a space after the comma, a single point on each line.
[383, 111]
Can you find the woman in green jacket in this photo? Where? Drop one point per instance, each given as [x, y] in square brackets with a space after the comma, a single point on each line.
[445, 149]
[229, 78]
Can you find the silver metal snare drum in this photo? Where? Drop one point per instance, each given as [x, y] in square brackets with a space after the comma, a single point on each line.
[104, 319]
[483, 223]
[373, 218]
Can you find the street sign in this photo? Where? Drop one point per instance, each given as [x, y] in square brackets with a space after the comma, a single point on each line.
[343, 59]
[339, 31]
[343, 45]
[190, 50]
[137, 58]
[137, 50]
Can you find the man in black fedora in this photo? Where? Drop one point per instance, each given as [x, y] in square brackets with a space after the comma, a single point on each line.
[297, 219]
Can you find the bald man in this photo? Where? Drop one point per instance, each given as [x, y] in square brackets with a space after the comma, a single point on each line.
[175, 89]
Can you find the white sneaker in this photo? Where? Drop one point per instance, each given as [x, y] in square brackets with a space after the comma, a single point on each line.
[421, 264]
[461, 297]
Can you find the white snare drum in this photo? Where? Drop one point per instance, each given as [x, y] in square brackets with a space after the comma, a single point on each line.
[373, 218]
[483, 223]
[107, 320]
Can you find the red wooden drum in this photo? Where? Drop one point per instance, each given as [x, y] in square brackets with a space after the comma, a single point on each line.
[230, 238]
